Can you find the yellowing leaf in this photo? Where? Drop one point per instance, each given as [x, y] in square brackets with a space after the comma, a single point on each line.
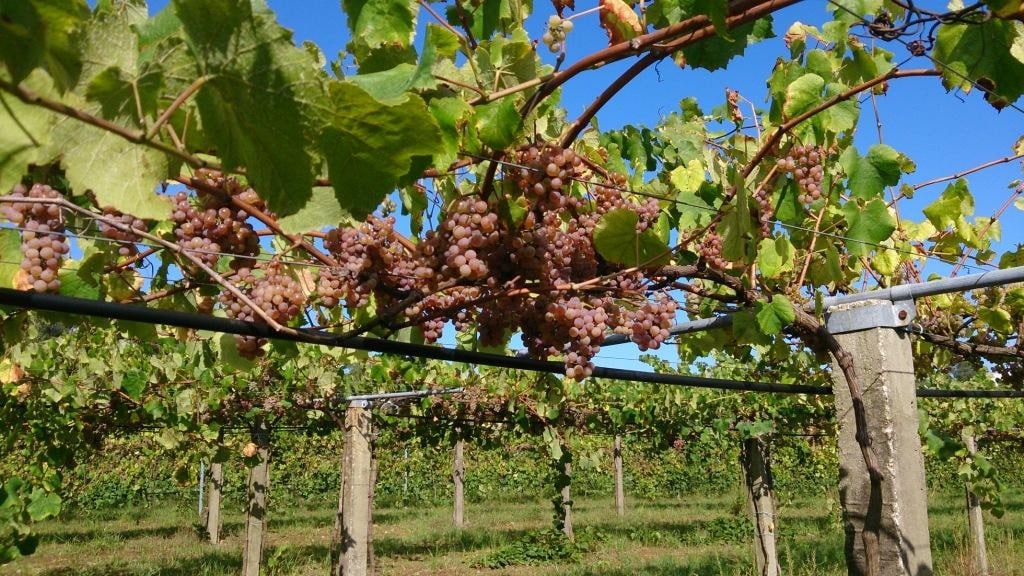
[619, 21]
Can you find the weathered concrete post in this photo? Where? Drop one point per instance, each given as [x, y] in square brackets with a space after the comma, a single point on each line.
[761, 504]
[257, 494]
[213, 502]
[886, 522]
[620, 493]
[458, 479]
[355, 492]
[567, 500]
[974, 517]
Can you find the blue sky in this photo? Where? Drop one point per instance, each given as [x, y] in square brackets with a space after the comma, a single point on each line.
[942, 132]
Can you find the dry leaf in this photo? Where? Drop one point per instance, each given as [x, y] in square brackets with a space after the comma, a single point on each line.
[619, 21]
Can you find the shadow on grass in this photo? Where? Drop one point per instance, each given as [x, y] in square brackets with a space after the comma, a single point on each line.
[61, 536]
[211, 562]
[448, 542]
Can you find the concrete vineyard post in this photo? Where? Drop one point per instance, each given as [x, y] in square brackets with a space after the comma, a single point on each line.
[256, 507]
[761, 504]
[213, 502]
[620, 493]
[354, 534]
[458, 477]
[886, 521]
[975, 518]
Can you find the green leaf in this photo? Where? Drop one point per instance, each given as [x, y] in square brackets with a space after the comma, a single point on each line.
[379, 24]
[953, 204]
[76, 280]
[998, 318]
[44, 33]
[229, 353]
[498, 123]
[121, 174]
[322, 210]
[133, 384]
[803, 94]
[258, 106]
[980, 54]
[24, 131]
[842, 116]
[867, 225]
[617, 240]
[10, 256]
[688, 178]
[869, 175]
[773, 316]
[370, 145]
[452, 116]
[775, 256]
[853, 11]
[714, 53]
[43, 505]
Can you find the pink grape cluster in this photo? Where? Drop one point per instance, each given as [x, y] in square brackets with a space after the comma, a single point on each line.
[43, 242]
[277, 294]
[804, 163]
[125, 240]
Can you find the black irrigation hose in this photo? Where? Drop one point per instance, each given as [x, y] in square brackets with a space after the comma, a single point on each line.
[138, 313]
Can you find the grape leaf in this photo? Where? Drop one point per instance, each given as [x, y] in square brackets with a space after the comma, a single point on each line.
[689, 177]
[867, 225]
[452, 116]
[953, 204]
[10, 256]
[619, 21]
[773, 316]
[24, 130]
[853, 11]
[775, 256]
[980, 54]
[714, 53]
[322, 210]
[803, 94]
[998, 318]
[498, 123]
[120, 173]
[44, 33]
[869, 175]
[255, 69]
[43, 505]
[370, 145]
[387, 25]
[616, 240]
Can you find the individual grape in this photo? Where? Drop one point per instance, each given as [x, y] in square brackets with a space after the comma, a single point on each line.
[43, 242]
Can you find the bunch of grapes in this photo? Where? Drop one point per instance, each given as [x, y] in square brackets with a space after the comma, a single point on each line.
[558, 28]
[572, 328]
[765, 210]
[211, 227]
[465, 240]
[125, 240]
[650, 323]
[276, 293]
[711, 251]
[546, 175]
[804, 163]
[43, 242]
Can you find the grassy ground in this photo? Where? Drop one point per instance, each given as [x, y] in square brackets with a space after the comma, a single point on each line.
[694, 536]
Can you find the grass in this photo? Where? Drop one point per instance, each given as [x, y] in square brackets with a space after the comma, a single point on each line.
[692, 536]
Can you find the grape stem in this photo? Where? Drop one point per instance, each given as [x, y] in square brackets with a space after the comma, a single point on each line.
[177, 103]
